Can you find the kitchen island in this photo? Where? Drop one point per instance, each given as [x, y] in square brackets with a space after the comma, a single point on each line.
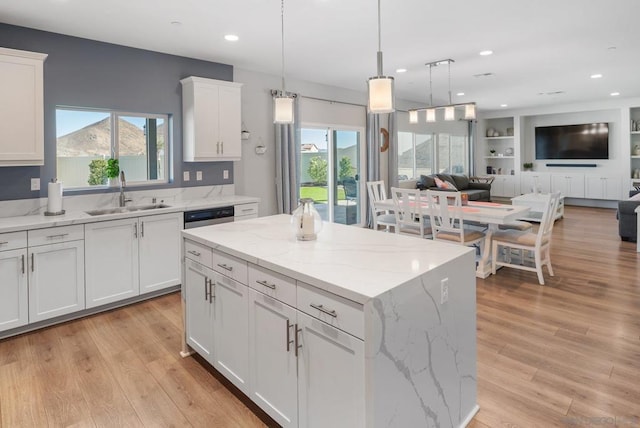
[356, 328]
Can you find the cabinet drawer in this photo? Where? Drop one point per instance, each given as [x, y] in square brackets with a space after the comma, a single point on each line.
[55, 235]
[273, 284]
[335, 310]
[246, 210]
[198, 253]
[230, 266]
[13, 240]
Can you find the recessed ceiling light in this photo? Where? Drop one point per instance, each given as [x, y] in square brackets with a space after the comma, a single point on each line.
[231, 38]
[596, 76]
[614, 94]
[486, 53]
[460, 94]
[504, 105]
[176, 23]
[401, 70]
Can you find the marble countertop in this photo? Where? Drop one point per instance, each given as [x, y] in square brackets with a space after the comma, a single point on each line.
[40, 221]
[356, 263]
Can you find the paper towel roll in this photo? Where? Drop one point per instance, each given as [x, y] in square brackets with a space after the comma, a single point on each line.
[54, 203]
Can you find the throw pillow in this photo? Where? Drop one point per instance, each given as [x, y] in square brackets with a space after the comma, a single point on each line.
[635, 197]
[427, 181]
[445, 185]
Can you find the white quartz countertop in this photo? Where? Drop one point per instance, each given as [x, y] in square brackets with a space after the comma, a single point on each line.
[39, 221]
[352, 262]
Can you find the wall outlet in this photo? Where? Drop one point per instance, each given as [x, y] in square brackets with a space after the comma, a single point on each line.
[444, 290]
[198, 175]
[35, 184]
[225, 174]
[185, 176]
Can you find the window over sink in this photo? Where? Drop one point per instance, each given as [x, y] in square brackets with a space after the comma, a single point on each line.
[87, 138]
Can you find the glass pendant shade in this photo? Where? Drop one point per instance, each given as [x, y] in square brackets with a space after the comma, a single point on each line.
[283, 109]
[449, 113]
[470, 111]
[381, 98]
[431, 115]
[413, 116]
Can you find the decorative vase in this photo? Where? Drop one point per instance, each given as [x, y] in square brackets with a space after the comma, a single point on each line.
[306, 221]
[636, 150]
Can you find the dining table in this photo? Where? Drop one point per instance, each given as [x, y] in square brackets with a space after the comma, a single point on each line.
[491, 213]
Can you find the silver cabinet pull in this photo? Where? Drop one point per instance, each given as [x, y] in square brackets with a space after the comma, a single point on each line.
[195, 253]
[289, 340]
[222, 147]
[247, 210]
[135, 230]
[323, 309]
[297, 344]
[206, 288]
[225, 267]
[212, 291]
[218, 147]
[33, 264]
[23, 264]
[4, 242]
[266, 284]
[59, 236]
[142, 229]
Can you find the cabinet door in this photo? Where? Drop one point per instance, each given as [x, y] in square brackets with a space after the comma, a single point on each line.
[56, 280]
[159, 249]
[576, 186]
[199, 308]
[231, 330]
[14, 304]
[594, 187]
[273, 374]
[330, 376]
[230, 123]
[612, 188]
[503, 186]
[21, 107]
[206, 122]
[111, 261]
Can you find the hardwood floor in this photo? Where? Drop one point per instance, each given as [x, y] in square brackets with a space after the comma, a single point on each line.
[562, 354]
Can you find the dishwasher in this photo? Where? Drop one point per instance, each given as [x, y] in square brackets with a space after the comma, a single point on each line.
[206, 217]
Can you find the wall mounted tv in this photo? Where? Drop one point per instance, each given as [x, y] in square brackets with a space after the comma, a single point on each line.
[587, 141]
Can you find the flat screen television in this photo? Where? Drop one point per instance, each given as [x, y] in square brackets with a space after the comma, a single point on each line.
[586, 141]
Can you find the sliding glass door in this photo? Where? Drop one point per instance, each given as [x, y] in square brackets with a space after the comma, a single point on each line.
[331, 159]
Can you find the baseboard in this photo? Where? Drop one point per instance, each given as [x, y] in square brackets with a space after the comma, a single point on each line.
[470, 416]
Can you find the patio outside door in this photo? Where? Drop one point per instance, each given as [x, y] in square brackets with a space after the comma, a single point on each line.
[330, 164]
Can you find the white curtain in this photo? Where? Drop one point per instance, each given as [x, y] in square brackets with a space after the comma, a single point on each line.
[288, 162]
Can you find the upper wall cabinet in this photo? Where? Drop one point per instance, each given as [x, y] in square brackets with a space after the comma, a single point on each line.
[211, 121]
[21, 108]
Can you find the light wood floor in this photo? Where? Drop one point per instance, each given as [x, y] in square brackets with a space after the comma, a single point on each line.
[546, 354]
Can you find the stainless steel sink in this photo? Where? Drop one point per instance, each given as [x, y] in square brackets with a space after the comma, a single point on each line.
[131, 208]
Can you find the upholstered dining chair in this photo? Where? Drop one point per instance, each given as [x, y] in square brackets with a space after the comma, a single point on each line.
[539, 243]
[411, 217]
[381, 217]
[447, 222]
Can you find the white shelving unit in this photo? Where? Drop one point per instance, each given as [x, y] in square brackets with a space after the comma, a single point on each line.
[502, 163]
[634, 171]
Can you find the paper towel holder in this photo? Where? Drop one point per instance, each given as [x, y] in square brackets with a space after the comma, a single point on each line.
[61, 212]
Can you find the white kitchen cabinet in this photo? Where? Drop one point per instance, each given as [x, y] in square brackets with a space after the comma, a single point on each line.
[126, 258]
[603, 187]
[56, 278]
[504, 186]
[529, 180]
[198, 289]
[330, 376]
[273, 366]
[21, 108]
[14, 303]
[159, 251]
[211, 116]
[231, 330]
[111, 261]
[245, 211]
[569, 185]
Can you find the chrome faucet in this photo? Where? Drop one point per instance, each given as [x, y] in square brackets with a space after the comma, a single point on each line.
[123, 184]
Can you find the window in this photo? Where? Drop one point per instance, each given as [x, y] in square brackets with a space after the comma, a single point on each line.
[87, 139]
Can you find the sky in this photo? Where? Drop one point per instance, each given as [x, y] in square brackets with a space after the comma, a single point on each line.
[68, 121]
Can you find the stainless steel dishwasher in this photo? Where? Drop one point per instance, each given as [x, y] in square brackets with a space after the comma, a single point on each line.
[208, 216]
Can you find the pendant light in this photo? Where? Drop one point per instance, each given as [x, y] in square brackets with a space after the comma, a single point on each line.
[431, 112]
[283, 103]
[381, 93]
[450, 110]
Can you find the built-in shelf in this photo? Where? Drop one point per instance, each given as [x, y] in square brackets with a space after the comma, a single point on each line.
[508, 137]
[632, 133]
[635, 157]
[499, 157]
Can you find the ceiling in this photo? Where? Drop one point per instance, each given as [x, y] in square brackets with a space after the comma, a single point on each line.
[540, 47]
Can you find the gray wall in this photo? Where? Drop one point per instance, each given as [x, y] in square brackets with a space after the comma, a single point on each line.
[85, 73]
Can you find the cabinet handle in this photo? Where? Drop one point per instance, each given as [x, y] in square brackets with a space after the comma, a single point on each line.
[297, 344]
[222, 146]
[206, 290]
[247, 209]
[135, 230]
[23, 264]
[225, 267]
[289, 340]
[142, 229]
[323, 309]
[33, 264]
[266, 284]
[212, 291]
[218, 147]
[195, 253]
[4, 242]
[60, 236]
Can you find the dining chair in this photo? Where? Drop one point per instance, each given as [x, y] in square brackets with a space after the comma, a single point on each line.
[381, 217]
[539, 243]
[447, 222]
[411, 217]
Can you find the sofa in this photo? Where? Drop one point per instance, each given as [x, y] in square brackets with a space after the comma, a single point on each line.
[627, 221]
[475, 190]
